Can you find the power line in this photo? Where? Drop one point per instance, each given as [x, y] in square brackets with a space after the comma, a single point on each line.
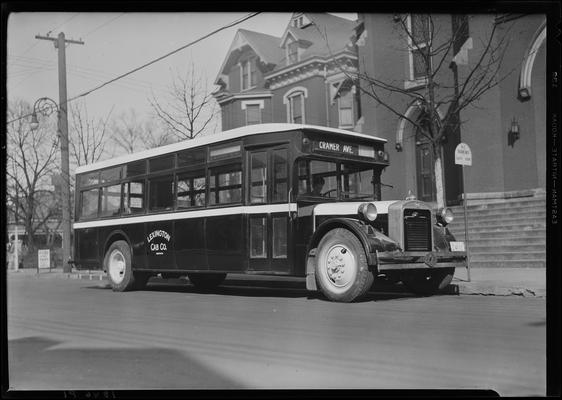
[251, 15]
[54, 29]
[166, 55]
[104, 24]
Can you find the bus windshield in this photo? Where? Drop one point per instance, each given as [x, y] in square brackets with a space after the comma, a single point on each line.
[335, 180]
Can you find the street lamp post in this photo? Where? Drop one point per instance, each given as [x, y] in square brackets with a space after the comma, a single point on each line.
[46, 107]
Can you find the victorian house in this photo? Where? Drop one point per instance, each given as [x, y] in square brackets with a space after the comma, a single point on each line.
[300, 77]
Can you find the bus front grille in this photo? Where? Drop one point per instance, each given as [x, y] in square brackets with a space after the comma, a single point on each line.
[417, 230]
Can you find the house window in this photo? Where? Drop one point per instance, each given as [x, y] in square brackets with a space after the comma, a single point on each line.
[345, 108]
[253, 114]
[292, 52]
[296, 108]
[249, 76]
[419, 40]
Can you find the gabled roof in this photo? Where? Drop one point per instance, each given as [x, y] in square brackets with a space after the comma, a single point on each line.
[336, 30]
[265, 46]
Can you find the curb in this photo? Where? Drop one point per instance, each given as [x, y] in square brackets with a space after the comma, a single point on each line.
[457, 287]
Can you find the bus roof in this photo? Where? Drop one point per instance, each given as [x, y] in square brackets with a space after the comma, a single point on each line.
[217, 138]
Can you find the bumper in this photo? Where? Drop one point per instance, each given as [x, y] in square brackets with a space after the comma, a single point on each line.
[398, 260]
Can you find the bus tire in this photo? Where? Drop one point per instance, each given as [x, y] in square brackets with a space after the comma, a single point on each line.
[119, 267]
[342, 272]
[428, 282]
[206, 280]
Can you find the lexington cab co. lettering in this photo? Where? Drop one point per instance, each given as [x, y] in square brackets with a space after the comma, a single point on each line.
[334, 147]
[158, 242]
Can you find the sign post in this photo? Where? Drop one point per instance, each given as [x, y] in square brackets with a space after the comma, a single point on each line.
[43, 259]
[463, 157]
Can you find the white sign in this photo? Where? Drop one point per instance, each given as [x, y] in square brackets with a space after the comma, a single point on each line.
[44, 259]
[457, 246]
[463, 155]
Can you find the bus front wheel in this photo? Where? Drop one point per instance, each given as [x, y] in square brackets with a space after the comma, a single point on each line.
[342, 272]
[117, 263]
[204, 280]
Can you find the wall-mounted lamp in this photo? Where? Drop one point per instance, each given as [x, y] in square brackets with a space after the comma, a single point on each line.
[398, 147]
[513, 133]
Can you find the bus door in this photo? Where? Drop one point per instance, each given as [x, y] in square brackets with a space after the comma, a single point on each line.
[269, 221]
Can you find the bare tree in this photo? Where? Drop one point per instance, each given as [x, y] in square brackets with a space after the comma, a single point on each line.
[190, 108]
[87, 136]
[31, 165]
[131, 134]
[435, 40]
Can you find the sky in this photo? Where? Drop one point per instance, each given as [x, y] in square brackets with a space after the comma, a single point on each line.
[115, 43]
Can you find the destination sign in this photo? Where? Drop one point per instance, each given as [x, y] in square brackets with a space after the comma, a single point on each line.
[335, 147]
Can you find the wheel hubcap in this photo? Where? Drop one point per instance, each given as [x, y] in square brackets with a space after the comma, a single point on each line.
[117, 266]
[340, 265]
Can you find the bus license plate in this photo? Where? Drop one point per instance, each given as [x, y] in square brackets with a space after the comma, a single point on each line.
[457, 246]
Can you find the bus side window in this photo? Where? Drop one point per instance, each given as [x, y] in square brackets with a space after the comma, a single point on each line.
[191, 190]
[258, 178]
[280, 175]
[110, 200]
[133, 197]
[89, 206]
[226, 185]
[161, 193]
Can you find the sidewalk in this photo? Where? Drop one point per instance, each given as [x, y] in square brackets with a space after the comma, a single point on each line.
[526, 282]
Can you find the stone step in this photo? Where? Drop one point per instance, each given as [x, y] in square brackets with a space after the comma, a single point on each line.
[508, 256]
[534, 202]
[501, 215]
[513, 241]
[508, 264]
[499, 230]
[494, 248]
[498, 235]
[523, 222]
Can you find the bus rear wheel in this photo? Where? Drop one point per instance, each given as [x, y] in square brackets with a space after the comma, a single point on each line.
[342, 272]
[118, 264]
[206, 280]
[428, 282]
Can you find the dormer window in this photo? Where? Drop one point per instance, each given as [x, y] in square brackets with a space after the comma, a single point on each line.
[248, 69]
[300, 21]
[292, 52]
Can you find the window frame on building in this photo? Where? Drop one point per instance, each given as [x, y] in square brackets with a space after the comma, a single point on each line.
[247, 104]
[289, 100]
[248, 74]
[417, 47]
[351, 109]
[292, 56]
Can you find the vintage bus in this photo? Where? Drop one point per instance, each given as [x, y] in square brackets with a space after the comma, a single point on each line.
[275, 199]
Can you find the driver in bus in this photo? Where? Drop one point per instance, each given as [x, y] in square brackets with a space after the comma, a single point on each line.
[317, 185]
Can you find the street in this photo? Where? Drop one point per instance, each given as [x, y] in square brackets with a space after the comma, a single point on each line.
[78, 334]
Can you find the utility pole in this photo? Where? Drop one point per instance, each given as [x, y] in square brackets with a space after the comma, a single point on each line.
[60, 44]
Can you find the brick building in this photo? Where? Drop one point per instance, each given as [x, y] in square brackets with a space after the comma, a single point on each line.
[503, 161]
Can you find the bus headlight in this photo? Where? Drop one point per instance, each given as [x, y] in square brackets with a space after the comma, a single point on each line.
[368, 211]
[445, 216]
